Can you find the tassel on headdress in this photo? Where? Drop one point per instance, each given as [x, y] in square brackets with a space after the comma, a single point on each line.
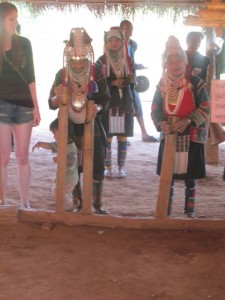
[93, 87]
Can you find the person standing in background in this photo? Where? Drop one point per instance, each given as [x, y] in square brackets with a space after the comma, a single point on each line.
[198, 66]
[19, 110]
[198, 63]
[127, 29]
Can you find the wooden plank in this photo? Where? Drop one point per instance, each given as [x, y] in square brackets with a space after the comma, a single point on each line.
[8, 214]
[88, 153]
[166, 173]
[61, 155]
[117, 222]
[206, 14]
[195, 21]
[207, 24]
[211, 152]
[216, 5]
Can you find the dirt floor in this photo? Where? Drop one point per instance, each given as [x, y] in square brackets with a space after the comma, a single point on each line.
[136, 195]
[85, 263]
[88, 263]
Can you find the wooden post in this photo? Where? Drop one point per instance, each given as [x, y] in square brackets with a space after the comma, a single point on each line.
[211, 151]
[211, 70]
[209, 76]
[61, 152]
[88, 152]
[166, 174]
[1, 189]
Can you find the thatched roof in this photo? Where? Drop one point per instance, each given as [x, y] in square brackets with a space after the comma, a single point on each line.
[127, 6]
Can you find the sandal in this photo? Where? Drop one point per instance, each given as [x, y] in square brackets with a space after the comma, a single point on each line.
[121, 173]
[100, 211]
[150, 139]
[108, 173]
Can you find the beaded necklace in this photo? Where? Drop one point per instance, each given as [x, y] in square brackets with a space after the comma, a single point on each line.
[174, 91]
[116, 61]
[79, 79]
[79, 85]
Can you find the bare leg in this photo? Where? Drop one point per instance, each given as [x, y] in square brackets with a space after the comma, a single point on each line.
[142, 126]
[5, 149]
[145, 136]
[22, 135]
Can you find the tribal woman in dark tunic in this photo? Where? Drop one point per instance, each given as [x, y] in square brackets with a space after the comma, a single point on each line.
[184, 96]
[119, 121]
[86, 82]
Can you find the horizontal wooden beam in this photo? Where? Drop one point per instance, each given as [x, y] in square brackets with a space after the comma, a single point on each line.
[8, 214]
[113, 221]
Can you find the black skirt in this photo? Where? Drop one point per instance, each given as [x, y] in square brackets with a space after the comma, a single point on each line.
[196, 162]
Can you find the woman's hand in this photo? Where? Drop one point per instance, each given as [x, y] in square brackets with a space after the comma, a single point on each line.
[165, 127]
[177, 127]
[92, 110]
[58, 90]
[119, 83]
[36, 117]
[130, 79]
[181, 125]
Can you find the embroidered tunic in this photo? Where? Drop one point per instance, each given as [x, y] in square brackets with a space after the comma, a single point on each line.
[196, 106]
[119, 120]
[102, 97]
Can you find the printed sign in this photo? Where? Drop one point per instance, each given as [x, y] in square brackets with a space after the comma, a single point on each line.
[218, 101]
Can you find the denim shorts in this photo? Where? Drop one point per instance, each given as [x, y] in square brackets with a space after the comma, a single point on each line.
[15, 114]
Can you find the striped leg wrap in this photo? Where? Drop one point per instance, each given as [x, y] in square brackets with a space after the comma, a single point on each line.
[108, 156]
[97, 193]
[122, 153]
[170, 204]
[189, 200]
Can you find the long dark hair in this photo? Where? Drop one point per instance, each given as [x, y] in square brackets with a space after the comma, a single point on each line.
[18, 58]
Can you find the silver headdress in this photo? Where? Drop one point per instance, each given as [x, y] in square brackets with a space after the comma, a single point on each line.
[79, 45]
[173, 47]
[79, 48]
